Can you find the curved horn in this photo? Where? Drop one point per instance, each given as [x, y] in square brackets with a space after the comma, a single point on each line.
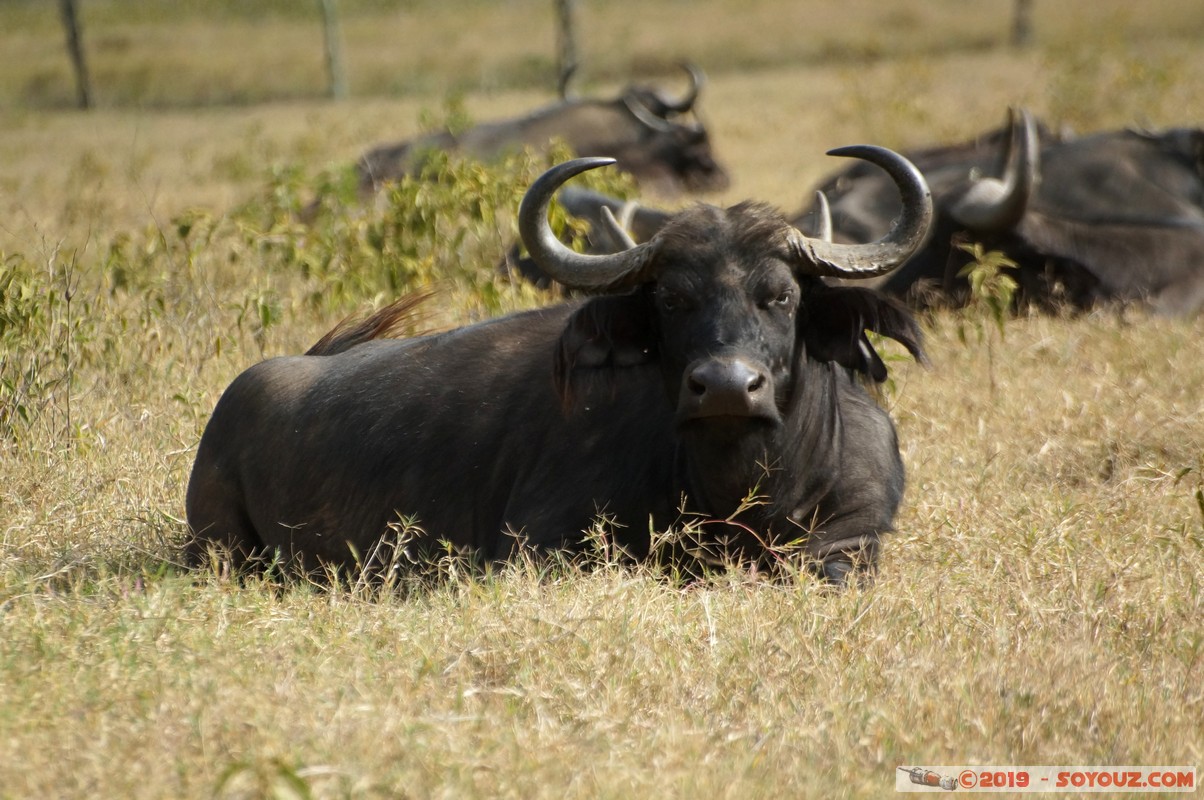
[991, 204]
[626, 215]
[823, 222]
[644, 114]
[697, 80]
[561, 263]
[817, 257]
[617, 229]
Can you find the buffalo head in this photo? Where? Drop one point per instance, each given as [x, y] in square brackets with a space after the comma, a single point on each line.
[673, 150]
[733, 308]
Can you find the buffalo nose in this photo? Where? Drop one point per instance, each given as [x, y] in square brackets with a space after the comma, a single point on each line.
[726, 386]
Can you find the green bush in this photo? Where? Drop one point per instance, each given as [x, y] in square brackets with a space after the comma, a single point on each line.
[448, 228]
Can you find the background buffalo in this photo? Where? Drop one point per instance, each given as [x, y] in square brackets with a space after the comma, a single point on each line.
[658, 139]
[1114, 216]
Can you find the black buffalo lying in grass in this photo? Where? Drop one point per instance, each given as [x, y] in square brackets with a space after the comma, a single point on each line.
[716, 364]
[1116, 216]
[659, 140]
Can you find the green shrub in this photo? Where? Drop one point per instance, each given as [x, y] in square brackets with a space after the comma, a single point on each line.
[447, 228]
[992, 292]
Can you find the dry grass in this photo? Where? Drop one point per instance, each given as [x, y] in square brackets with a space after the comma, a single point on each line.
[1041, 604]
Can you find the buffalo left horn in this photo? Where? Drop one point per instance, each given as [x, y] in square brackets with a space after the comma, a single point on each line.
[814, 256]
[617, 229]
[823, 213]
[992, 205]
[562, 263]
[645, 115]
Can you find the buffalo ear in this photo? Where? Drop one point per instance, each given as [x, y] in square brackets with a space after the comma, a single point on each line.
[603, 335]
[837, 318]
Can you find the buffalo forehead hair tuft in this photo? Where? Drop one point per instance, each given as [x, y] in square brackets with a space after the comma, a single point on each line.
[747, 226]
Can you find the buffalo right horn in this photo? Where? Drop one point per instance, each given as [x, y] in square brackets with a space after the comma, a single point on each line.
[561, 263]
[697, 79]
[815, 256]
[992, 205]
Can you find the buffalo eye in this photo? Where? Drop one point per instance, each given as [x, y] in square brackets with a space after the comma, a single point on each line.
[671, 301]
[778, 301]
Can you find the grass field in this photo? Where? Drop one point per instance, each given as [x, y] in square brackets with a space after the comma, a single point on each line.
[1042, 602]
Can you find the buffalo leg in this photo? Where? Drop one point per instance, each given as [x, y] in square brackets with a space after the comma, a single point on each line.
[220, 526]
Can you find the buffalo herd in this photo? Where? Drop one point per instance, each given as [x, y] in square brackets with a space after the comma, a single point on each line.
[708, 372]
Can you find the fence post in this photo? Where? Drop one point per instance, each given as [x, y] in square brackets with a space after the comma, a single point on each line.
[75, 48]
[1022, 23]
[566, 44]
[335, 73]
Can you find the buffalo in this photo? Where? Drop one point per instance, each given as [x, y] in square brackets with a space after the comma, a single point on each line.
[713, 372]
[970, 204]
[657, 139]
[1112, 217]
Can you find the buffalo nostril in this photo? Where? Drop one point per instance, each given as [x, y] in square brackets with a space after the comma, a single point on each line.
[723, 377]
[727, 386]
